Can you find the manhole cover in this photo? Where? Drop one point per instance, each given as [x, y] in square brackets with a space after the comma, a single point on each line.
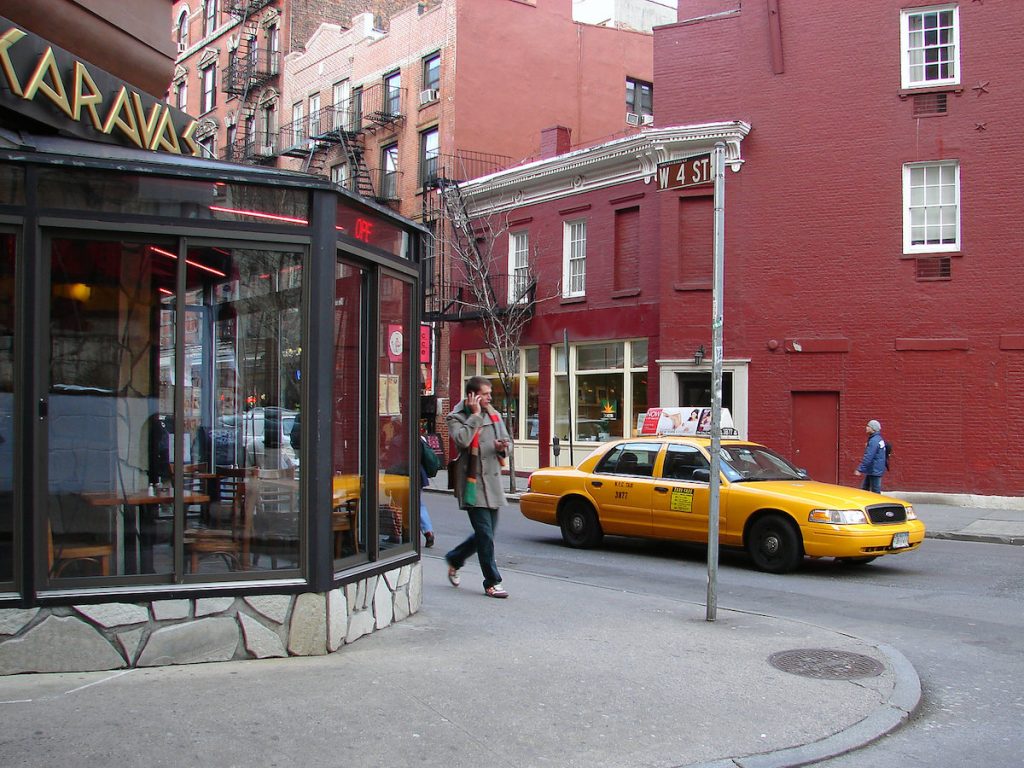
[824, 664]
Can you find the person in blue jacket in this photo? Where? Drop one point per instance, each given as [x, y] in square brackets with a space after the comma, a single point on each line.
[872, 466]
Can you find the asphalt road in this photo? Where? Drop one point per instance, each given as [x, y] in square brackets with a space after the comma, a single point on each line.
[955, 609]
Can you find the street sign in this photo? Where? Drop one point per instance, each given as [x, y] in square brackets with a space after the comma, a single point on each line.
[691, 172]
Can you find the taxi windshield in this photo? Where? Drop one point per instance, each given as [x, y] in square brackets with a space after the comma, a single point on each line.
[752, 463]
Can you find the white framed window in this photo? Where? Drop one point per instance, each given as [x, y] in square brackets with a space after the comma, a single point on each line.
[314, 115]
[298, 122]
[339, 174]
[931, 207]
[340, 93]
[211, 15]
[930, 46]
[209, 76]
[522, 404]
[518, 266]
[608, 386]
[574, 258]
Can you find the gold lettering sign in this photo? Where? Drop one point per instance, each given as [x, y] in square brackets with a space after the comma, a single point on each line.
[41, 74]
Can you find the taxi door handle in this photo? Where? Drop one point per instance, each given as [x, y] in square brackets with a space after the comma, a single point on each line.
[596, 483]
[661, 489]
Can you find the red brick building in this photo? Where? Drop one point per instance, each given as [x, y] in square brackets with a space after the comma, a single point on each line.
[872, 253]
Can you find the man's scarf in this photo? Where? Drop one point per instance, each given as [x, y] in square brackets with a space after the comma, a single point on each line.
[473, 465]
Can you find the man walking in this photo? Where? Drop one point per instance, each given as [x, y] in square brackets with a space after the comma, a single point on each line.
[872, 466]
[482, 440]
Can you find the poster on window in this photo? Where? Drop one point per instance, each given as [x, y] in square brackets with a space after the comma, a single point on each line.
[690, 420]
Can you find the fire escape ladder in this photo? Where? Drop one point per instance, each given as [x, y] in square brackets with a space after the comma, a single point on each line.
[358, 172]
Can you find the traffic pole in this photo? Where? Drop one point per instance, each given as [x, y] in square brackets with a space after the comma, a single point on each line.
[717, 284]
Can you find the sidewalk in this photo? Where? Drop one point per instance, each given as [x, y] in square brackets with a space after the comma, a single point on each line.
[561, 674]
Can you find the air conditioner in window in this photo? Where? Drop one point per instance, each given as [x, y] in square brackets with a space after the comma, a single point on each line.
[266, 150]
[182, 45]
[632, 118]
[428, 95]
[647, 119]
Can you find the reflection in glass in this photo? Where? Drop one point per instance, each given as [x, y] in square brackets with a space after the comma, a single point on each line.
[113, 447]
[242, 359]
[7, 250]
[349, 518]
[394, 369]
[109, 442]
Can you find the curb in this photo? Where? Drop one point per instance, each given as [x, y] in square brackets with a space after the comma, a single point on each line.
[984, 538]
[902, 703]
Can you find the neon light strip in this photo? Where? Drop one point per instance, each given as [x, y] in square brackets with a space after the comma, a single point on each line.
[195, 264]
[259, 215]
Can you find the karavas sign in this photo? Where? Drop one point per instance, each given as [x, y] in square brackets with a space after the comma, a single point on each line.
[50, 85]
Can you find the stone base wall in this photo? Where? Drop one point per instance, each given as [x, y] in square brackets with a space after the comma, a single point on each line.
[83, 638]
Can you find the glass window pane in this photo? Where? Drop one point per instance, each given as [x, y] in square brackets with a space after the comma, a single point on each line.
[243, 349]
[532, 359]
[110, 426]
[600, 356]
[598, 406]
[8, 244]
[638, 354]
[350, 521]
[394, 374]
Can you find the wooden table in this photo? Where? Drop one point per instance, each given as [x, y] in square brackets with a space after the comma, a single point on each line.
[140, 527]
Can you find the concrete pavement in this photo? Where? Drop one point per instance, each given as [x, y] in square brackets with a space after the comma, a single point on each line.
[561, 674]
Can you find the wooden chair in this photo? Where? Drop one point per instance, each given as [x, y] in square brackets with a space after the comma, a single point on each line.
[343, 521]
[276, 517]
[69, 545]
[229, 536]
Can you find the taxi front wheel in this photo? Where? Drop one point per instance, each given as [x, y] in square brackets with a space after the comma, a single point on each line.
[774, 545]
[580, 528]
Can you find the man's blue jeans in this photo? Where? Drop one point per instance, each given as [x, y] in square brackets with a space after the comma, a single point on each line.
[872, 483]
[481, 541]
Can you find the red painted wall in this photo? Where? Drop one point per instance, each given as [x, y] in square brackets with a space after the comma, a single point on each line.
[600, 316]
[523, 67]
[814, 231]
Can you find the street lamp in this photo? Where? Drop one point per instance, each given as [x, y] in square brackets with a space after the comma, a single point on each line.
[698, 355]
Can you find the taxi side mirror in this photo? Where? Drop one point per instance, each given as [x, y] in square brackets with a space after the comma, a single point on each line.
[701, 476]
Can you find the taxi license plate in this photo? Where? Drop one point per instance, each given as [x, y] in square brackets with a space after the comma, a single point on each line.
[901, 540]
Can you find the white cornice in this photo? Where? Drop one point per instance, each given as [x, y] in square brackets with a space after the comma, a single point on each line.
[633, 158]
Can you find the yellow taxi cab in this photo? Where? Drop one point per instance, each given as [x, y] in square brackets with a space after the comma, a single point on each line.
[658, 487]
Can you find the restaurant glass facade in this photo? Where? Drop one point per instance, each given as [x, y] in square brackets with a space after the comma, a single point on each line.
[166, 390]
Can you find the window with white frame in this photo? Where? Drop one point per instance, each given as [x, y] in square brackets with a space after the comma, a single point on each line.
[930, 46]
[183, 30]
[609, 382]
[574, 258]
[298, 122]
[522, 403]
[314, 115]
[393, 93]
[518, 266]
[209, 75]
[340, 106]
[339, 174]
[181, 94]
[210, 17]
[273, 49]
[931, 207]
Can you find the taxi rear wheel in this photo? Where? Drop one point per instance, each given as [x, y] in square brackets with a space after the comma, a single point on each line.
[773, 545]
[580, 528]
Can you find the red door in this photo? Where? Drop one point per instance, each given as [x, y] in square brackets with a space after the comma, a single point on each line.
[816, 434]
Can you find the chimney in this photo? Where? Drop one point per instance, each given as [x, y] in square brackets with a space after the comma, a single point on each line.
[554, 141]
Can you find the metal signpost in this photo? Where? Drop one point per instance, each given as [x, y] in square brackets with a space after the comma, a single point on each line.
[692, 172]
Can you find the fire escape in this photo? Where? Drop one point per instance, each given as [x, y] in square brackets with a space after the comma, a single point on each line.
[448, 295]
[345, 125]
[250, 67]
